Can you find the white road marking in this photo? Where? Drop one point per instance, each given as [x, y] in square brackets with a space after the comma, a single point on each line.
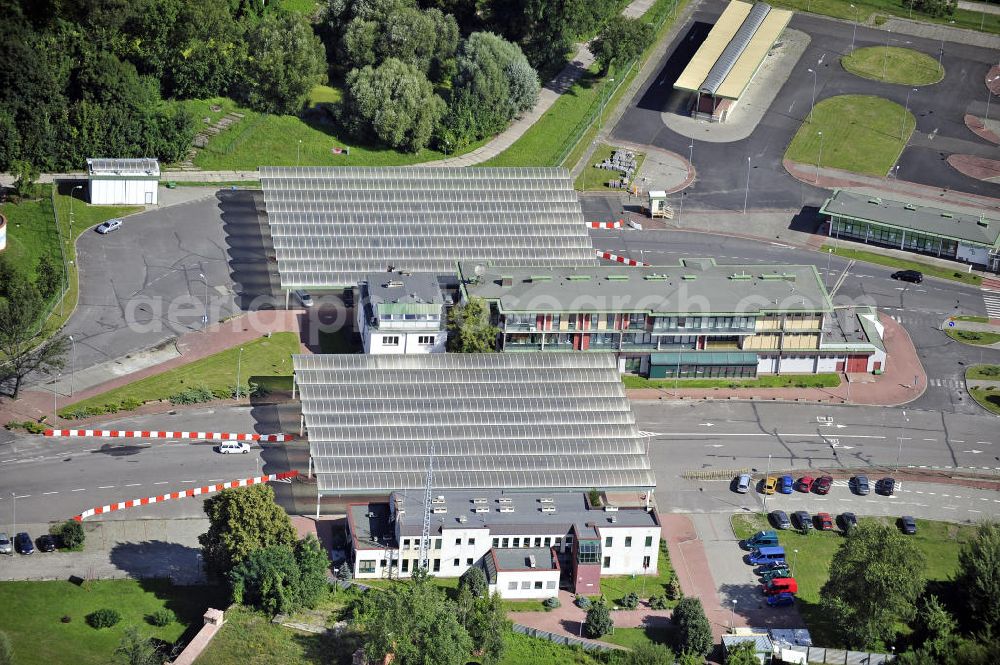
[47, 493]
[187, 481]
[162, 482]
[81, 489]
[105, 487]
[23, 496]
[930, 439]
[134, 485]
[949, 507]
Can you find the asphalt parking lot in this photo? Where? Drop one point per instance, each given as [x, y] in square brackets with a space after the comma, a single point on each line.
[149, 281]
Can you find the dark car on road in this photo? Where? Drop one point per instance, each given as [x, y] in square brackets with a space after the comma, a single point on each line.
[23, 544]
[860, 485]
[802, 520]
[823, 485]
[779, 518]
[908, 525]
[780, 600]
[914, 276]
[886, 486]
[847, 521]
[46, 543]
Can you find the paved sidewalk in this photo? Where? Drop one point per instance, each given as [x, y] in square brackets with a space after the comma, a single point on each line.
[34, 404]
[902, 26]
[117, 549]
[892, 388]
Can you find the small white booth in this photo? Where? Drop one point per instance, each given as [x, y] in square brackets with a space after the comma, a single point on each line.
[123, 181]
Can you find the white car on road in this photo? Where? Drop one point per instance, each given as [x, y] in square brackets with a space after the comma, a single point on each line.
[109, 226]
[233, 447]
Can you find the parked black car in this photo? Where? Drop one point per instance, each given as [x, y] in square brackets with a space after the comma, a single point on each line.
[908, 525]
[780, 520]
[860, 485]
[914, 276]
[886, 486]
[802, 520]
[23, 544]
[847, 521]
[46, 543]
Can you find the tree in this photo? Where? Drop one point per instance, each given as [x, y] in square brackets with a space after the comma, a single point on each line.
[21, 350]
[620, 41]
[487, 626]
[744, 653]
[284, 61]
[978, 577]
[26, 186]
[269, 579]
[694, 632]
[134, 649]
[875, 579]
[48, 276]
[426, 39]
[242, 520]
[394, 103]
[469, 329]
[598, 622]
[474, 579]
[71, 534]
[936, 8]
[314, 564]
[544, 29]
[416, 623]
[6, 650]
[493, 85]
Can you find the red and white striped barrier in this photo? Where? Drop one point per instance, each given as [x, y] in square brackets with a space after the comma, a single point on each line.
[197, 491]
[152, 434]
[619, 259]
[607, 225]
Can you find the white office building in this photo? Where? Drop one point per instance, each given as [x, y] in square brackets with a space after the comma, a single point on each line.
[400, 312]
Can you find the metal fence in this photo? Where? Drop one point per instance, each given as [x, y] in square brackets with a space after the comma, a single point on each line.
[843, 657]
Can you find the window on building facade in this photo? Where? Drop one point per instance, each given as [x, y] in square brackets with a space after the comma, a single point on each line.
[458, 562]
[511, 586]
[569, 540]
[366, 566]
[538, 584]
[559, 541]
[589, 552]
[426, 340]
[458, 541]
[517, 542]
[472, 541]
[382, 563]
[538, 542]
[607, 541]
[496, 542]
[506, 542]
[649, 541]
[406, 543]
[548, 542]
[607, 562]
[645, 561]
[551, 584]
[468, 562]
[628, 541]
[437, 543]
[437, 565]
[406, 566]
[390, 340]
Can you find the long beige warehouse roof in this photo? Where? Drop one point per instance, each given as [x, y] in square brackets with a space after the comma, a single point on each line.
[742, 60]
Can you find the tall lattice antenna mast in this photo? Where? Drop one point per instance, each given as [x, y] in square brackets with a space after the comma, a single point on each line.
[425, 532]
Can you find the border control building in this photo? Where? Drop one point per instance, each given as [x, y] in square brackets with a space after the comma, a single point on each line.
[727, 61]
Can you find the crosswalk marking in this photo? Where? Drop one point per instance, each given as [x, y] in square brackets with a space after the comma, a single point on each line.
[946, 383]
[992, 302]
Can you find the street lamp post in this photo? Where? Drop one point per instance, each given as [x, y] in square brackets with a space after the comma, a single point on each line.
[13, 498]
[298, 152]
[204, 318]
[71, 205]
[72, 365]
[55, 397]
[899, 451]
[885, 57]
[906, 109]
[691, 164]
[239, 360]
[855, 33]
[766, 476]
[794, 552]
[732, 618]
[941, 51]
[746, 197]
[813, 105]
[819, 161]
[989, 95]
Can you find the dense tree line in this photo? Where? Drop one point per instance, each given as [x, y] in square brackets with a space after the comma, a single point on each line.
[80, 78]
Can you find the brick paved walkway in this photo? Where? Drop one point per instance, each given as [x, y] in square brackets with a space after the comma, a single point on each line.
[893, 387]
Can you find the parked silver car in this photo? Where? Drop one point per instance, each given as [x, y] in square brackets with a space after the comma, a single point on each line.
[6, 547]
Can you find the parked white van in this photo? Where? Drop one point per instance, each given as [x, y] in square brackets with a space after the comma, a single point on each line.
[232, 447]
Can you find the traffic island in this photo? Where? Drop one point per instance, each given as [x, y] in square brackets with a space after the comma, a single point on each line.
[893, 64]
[983, 383]
[973, 330]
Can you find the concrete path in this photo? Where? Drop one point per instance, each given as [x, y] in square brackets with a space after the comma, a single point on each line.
[942, 32]
[116, 550]
[979, 7]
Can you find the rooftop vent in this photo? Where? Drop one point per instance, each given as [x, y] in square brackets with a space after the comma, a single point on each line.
[656, 277]
[909, 206]
[541, 278]
[480, 509]
[506, 280]
[578, 278]
[438, 499]
[480, 499]
[393, 284]
[741, 276]
[548, 509]
[947, 215]
[875, 201]
[505, 500]
[545, 499]
[688, 278]
[506, 509]
[531, 561]
[612, 519]
[462, 519]
[439, 510]
[610, 509]
[617, 277]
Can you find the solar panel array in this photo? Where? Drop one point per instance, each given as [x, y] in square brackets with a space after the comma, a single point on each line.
[332, 225]
[513, 421]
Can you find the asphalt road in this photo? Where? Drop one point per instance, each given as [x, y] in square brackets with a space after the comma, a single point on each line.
[722, 169]
[920, 308]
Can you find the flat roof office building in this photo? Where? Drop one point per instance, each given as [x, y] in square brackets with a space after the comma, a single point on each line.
[696, 319]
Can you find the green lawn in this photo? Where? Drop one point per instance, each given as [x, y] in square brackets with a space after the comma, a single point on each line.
[983, 372]
[845, 9]
[31, 233]
[974, 319]
[524, 650]
[904, 264]
[323, 94]
[988, 399]
[973, 337]
[636, 637]
[615, 587]
[286, 140]
[893, 65]
[300, 6]
[563, 133]
[31, 613]
[939, 541]
[776, 381]
[860, 133]
[593, 179]
[262, 357]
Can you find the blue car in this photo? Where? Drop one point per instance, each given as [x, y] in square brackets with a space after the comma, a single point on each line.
[785, 484]
[780, 600]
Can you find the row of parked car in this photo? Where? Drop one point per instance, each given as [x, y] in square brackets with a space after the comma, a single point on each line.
[786, 485]
[22, 544]
[777, 584]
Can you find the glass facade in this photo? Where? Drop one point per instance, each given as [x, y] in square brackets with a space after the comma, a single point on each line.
[706, 324]
[695, 371]
[890, 237]
[589, 552]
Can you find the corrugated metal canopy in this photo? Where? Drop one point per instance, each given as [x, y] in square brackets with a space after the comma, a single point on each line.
[540, 420]
[139, 166]
[332, 225]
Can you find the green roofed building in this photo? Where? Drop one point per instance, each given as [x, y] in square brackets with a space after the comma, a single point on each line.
[693, 320]
[914, 226]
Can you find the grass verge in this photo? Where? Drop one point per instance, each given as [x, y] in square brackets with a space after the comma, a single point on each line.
[862, 11]
[593, 179]
[263, 357]
[616, 587]
[973, 319]
[904, 264]
[973, 337]
[983, 372]
[31, 614]
[988, 399]
[779, 381]
[939, 541]
[893, 65]
[31, 233]
[631, 638]
[857, 133]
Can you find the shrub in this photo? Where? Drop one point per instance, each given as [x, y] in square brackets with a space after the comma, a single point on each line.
[582, 602]
[70, 534]
[108, 408]
[192, 396]
[674, 589]
[598, 621]
[131, 404]
[103, 618]
[474, 579]
[551, 603]
[344, 572]
[630, 601]
[29, 426]
[595, 498]
[161, 617]
[223, 393]
[658, 603]
[66, 618]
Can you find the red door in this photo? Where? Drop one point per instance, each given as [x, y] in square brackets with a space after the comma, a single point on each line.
[856, 364]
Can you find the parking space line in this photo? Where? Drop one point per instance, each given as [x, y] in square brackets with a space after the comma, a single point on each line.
[105, 487]
[134, 485]
[81, 489]
[47, 493]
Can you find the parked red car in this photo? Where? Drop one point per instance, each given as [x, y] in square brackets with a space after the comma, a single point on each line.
[824, 522]
[823, 485]
[805, 483]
